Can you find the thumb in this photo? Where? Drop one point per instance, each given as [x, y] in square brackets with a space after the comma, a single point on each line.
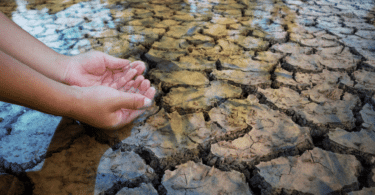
[132, 101]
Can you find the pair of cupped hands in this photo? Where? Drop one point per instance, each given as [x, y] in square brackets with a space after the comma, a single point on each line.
[114, 89]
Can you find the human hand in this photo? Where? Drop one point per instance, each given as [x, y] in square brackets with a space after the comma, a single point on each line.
[110, 109]
[97, 68]
[93, 74]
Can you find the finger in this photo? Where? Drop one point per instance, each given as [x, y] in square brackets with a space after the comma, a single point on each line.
[113, 85]
[124, 70]
[131, 101]
[139, 66]
[128, 85]
[138, 81]
[115, 63]
[126, 78]
[117, 74]
[150, 93]
[144, 86]
[117, 77]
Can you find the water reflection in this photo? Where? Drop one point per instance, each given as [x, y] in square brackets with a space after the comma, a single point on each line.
[201, 6]
[65, 31]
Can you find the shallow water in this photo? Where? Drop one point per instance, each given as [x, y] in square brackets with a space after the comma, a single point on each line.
[240, 85]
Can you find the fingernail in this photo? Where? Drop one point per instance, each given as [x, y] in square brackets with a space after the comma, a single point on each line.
[147, 103]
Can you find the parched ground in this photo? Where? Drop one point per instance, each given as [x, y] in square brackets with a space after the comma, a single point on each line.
[253, 97]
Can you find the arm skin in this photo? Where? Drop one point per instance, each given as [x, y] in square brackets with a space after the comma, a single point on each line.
[19, 44]
[99, 106]
[33, 75]
[87, 69]
[19, 84]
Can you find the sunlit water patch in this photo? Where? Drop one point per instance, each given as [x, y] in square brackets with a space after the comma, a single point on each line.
[66, 30]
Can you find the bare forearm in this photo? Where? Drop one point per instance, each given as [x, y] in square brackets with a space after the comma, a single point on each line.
[24, 86]
[19, 44]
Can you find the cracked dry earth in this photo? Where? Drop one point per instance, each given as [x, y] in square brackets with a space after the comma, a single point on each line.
[253, 97]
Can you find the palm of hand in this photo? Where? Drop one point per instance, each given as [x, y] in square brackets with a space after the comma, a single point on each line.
[99, 69]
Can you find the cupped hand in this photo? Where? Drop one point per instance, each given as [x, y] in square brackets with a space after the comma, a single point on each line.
[97, 68]
[110, 89]
[108, 108]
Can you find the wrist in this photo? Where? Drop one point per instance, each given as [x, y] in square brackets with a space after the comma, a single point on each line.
[75, 103]
[24, 86]
[20, 45]
[62, 61]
